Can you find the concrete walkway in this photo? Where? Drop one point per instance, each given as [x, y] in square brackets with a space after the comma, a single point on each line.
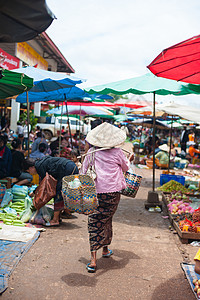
[145, 264]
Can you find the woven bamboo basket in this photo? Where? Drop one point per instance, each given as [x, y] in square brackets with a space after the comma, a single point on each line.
[82, 200]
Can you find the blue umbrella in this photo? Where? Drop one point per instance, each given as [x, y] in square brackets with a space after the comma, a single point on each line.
[62, 94]
[50, 85]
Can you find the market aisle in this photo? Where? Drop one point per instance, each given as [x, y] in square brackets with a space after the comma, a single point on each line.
[145, 264]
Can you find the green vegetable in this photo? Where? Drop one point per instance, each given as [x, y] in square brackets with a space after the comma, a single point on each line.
[7, 221]
[173, 185]
[18, 223]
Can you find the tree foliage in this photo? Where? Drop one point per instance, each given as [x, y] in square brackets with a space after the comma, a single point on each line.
[32, 117]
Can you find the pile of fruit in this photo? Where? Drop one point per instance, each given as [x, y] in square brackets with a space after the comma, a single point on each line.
[179, 207]
[187, 225]
[196, 283]
[179, 196]
[191, 226]
[173, 185]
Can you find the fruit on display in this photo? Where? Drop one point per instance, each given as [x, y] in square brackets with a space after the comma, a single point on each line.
[187, 225]
[196, 284]
[173, 185]
[179, 207]
[177, 196]
[196, 215]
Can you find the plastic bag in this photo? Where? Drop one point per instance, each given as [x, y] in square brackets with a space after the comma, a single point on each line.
[7, 198]
[42, 216]
[47, 213]
[26, 215]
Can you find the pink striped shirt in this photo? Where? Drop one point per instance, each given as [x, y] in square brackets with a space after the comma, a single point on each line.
[109, 166]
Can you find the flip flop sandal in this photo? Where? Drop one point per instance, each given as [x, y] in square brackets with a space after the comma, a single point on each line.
[108, 254]
[91, 269]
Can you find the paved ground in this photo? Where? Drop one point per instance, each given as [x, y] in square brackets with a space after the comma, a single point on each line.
[145, 264]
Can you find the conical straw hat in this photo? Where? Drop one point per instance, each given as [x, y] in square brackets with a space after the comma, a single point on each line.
[106, 135]
[164, 147]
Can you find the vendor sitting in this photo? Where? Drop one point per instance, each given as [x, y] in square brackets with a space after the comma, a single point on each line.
[193, 150]
[162, 157]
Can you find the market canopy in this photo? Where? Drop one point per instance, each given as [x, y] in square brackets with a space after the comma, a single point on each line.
[149, 123]
[23, 20]
[82, 111]
[147, 83]
[12, 84]
[186, 112]
[180, 62]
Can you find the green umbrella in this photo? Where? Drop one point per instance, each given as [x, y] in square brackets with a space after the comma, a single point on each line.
[147, 83]
[13, 83]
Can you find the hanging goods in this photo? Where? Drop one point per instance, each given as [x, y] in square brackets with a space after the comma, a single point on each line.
[133, 184]
[45, 191]
[79, 193]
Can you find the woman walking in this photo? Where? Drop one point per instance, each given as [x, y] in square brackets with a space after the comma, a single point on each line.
[109, 166]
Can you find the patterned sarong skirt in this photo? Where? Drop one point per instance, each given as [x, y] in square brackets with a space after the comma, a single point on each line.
[100, 222]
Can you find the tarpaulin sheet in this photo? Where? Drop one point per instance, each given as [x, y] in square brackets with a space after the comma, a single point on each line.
[191, 275]
[10, 254]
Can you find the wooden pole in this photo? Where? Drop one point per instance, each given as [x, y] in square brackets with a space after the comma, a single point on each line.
[170, 143]
[70, 133]
[154, 139]
[60, 130]
[28, 119]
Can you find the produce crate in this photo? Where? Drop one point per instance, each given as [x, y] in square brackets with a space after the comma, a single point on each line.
[184, 236]
[164, 178]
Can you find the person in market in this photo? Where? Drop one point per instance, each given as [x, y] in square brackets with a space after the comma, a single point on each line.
[5, 158]
[58, 167]
[17, 164]
[20, 131]
[184, 138]
[191, 136]
[38, 141]
[4, 121]
[162, 156]
[54, 145]
[194, 152]
[74, 157]
[41, 152]
[109, 166]
[197, 262]
[26, 129]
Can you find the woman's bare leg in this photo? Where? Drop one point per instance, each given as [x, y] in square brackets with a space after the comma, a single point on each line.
[93, 261]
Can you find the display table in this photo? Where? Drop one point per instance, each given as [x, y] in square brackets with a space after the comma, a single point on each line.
[185, 236]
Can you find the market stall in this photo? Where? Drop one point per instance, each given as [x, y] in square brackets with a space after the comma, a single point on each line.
[182, 204]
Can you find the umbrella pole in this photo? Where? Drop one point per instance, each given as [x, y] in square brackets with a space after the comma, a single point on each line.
[170, 143]
[70, 133]
[60, 130]
[28, 118]
[154, 139]
[153, 199]
[79, 136]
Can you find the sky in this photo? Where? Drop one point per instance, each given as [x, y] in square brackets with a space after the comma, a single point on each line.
[111, 40]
